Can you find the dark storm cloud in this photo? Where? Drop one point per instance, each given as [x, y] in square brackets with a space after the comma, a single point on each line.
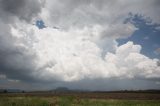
[12, 6]
[15, 61]
[98, 84]
[112, 84]
[16, 64]
[23, 9]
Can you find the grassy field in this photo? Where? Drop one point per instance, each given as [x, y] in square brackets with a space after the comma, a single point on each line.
[71, 100]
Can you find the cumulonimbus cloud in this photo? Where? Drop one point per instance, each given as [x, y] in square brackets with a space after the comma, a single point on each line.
[84, 46]
[69, 56]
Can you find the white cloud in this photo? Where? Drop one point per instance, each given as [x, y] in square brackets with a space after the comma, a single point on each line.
[132, 63]
[72, 55]
[84, 47]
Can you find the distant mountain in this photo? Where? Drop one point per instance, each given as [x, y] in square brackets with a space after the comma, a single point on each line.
[62, 89]
[67, 90]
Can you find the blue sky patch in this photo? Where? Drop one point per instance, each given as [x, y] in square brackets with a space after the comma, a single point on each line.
[40, 24]
[147, 35]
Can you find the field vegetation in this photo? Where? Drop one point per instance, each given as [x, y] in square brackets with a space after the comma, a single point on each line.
[80, 99]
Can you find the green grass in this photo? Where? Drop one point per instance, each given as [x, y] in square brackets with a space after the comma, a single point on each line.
[120, 103]
[23, 101]
[72, 101]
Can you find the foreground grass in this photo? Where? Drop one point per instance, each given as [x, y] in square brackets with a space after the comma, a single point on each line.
[72, 101]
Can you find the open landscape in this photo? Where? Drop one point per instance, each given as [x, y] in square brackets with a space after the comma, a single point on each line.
[80, 99]
[79, 52]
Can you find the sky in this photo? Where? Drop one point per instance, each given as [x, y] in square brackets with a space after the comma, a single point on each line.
[80, 44]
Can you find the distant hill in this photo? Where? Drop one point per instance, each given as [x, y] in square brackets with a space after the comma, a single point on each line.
[65, 89]
[62, 89]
